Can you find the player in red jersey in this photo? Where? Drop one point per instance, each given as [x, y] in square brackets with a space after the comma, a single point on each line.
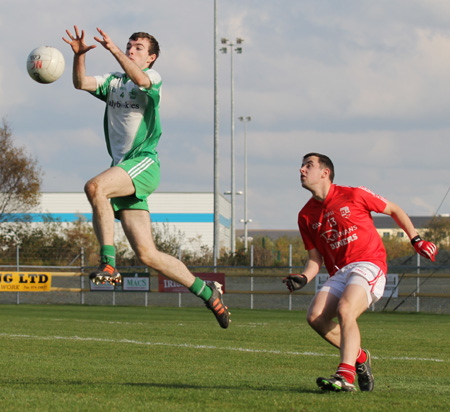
[338, 230]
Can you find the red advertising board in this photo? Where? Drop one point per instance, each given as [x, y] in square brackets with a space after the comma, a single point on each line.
[169, 286]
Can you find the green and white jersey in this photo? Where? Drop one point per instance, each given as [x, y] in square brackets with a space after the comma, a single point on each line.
[131, 123]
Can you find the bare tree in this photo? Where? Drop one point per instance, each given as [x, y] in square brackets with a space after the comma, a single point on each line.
[20, 176]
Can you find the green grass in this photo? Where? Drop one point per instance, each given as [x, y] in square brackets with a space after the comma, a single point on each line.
[82, 358]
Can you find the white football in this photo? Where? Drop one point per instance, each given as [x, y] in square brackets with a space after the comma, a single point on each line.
[45, 64]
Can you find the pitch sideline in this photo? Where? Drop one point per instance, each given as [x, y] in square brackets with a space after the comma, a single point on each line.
[189, 346]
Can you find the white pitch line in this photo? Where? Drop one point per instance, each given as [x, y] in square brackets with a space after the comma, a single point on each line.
[187, 345]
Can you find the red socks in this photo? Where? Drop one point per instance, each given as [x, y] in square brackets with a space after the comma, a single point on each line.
[347, 371]
[362, 356]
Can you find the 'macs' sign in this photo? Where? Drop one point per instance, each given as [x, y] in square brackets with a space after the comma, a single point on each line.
[131, 282]
[25, 282]
[137, 282]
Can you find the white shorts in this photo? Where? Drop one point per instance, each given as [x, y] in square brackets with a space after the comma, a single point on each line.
[365, 274]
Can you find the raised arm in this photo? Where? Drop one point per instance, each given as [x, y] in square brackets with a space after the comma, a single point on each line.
[401, 218]
[80, 48]
[422, 247]
[133, 71]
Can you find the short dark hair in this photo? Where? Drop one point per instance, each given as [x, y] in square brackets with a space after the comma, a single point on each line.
[154, 45]
[324, 161]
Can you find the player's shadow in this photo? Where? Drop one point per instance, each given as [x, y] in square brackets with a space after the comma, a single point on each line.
[177, 385]
[264, 388]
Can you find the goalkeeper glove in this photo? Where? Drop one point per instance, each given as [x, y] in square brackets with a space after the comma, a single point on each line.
[424, 248]
[295, 282]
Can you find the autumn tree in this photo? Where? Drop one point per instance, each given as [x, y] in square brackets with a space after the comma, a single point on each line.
[20, 176]
[438, 231]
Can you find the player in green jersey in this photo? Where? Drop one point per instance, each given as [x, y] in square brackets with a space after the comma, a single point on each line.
[132, 131]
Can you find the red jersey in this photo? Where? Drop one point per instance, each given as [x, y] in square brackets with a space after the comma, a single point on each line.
[341, 228]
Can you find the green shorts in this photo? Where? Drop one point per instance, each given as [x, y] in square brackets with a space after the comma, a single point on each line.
[144, 172]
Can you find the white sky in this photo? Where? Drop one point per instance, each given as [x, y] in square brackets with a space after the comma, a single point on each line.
[365, 82]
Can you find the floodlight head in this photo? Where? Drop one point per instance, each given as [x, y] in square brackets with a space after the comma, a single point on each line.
[239, 40]
[224, 40]
[238, 50]
[223, 50]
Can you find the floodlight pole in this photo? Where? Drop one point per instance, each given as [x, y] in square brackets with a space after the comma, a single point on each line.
[246, 220]
[238, 50]
[216, 240]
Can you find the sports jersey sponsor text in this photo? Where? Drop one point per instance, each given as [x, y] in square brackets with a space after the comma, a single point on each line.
[336, 239]
[344, 242]
[333, 235]
[124, 105]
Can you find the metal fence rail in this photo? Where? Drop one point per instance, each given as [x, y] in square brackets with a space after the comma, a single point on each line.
[256, 288]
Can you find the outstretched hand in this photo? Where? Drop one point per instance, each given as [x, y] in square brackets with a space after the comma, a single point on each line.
[77, 42]
[105, 41]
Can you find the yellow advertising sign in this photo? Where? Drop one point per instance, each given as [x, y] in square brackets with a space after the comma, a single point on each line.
[25, 282]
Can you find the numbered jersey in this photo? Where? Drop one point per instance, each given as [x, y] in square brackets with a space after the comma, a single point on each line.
[131, 124]
[341, 228]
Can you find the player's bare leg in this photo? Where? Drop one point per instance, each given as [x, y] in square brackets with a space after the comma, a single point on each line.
[352, 304]
[321, 312]
[344, 335]
[137, 227]
[113, 182]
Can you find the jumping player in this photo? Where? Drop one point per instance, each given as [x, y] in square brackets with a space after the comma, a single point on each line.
[338, 230]
[132, 132]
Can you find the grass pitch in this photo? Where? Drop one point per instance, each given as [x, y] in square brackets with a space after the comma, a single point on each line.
[82, 358]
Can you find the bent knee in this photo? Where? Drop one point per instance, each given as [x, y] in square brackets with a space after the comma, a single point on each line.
[314, 319]
[91, 188]
[149, 257]
[346, 312]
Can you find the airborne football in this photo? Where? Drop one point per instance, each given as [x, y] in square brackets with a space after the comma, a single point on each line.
[45, 64]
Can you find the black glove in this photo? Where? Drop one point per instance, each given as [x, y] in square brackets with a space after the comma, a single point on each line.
[295, 282]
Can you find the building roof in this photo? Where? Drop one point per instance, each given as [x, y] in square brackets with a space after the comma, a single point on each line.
[386, 222]
[381, 222]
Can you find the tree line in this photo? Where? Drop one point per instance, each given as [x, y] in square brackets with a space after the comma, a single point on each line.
[55, 243]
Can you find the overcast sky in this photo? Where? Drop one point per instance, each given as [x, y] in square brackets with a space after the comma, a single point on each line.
[365, 82]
